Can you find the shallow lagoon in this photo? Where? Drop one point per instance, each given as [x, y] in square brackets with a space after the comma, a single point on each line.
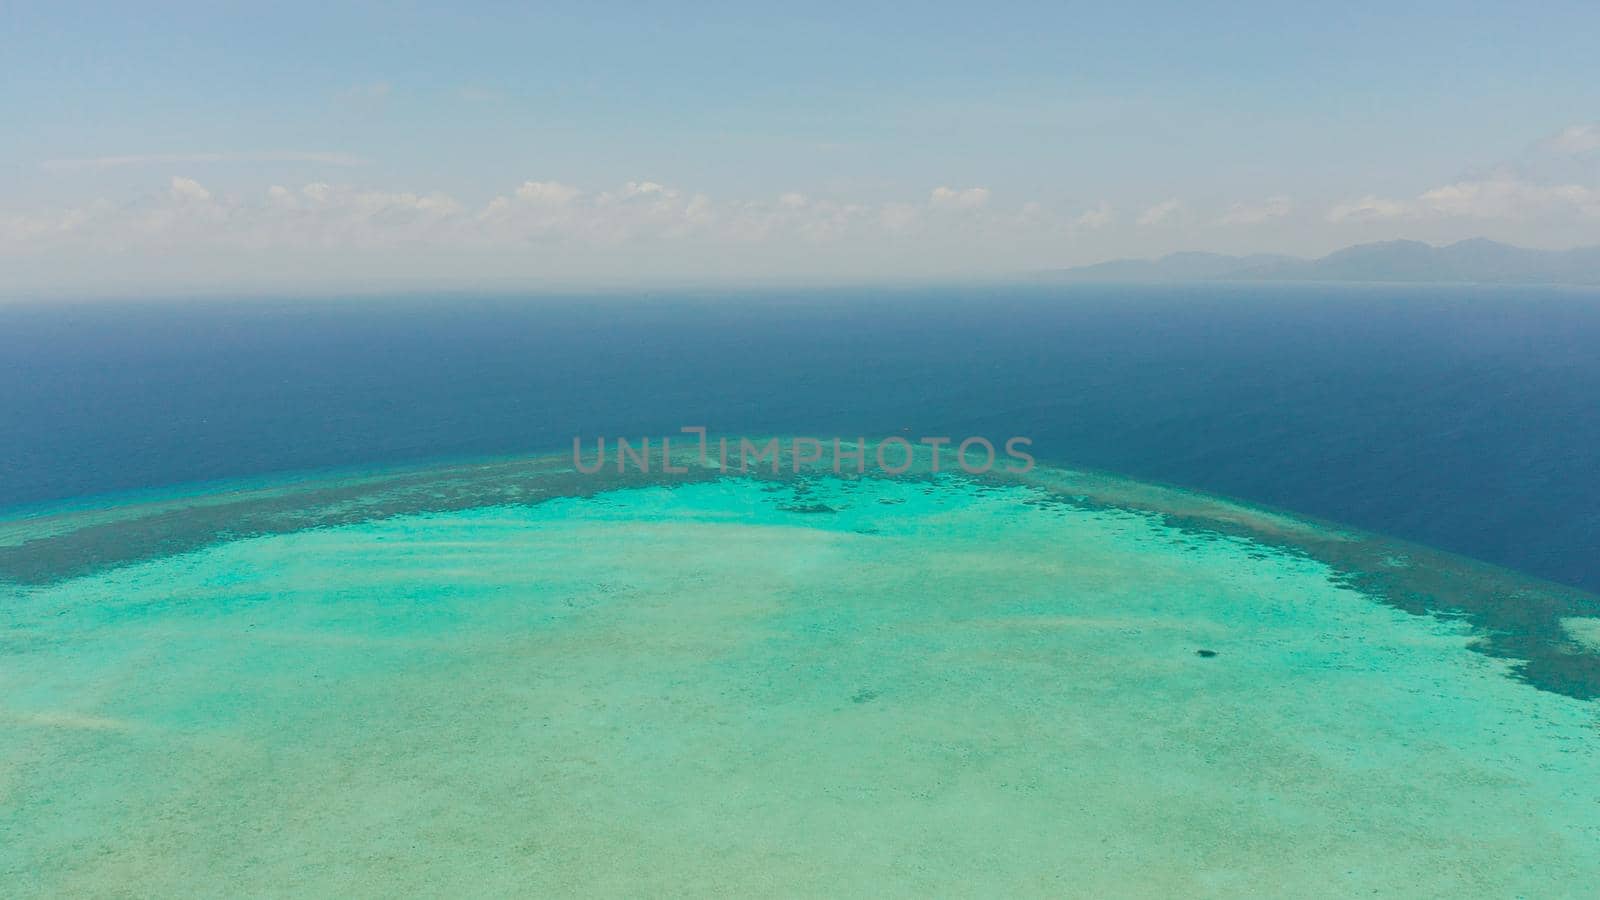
[806, 685]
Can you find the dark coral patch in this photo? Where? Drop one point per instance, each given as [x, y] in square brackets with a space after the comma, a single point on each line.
[808, 508]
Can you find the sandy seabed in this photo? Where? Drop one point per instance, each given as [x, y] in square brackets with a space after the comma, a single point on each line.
[818, 686]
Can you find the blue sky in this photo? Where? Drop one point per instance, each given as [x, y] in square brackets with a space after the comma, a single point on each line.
[288, 144]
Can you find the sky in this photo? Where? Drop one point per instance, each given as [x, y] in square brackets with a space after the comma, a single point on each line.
[297, 146]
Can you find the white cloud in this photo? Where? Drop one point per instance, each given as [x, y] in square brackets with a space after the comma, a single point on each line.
[645, 189]
[1097, 217]
[1370, 208]
[1573, 141]
[1500, 198]
[1557, 180]
[189, 189]
[188, 215]
[1163, 213]
[1509, 199]
[21, 229]
[534, 226]
[546, 193]
[951, 198]
[1254, 214]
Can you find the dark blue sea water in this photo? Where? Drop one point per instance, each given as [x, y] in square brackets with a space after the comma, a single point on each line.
[1460, 417]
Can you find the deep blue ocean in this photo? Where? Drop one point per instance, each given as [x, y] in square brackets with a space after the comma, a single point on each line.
[1465, 418]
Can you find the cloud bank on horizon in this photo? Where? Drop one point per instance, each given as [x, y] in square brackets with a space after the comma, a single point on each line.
[760, 144]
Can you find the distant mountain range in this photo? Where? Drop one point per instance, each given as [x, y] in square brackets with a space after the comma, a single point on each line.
[1478, 260]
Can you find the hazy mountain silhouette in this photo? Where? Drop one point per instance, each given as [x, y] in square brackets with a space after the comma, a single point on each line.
[1176, 267]
[1477, 260]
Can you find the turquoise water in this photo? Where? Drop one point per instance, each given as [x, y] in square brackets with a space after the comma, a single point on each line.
[1456, 416]
[802, 686]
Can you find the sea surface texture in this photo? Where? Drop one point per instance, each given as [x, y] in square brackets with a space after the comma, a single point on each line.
[1459, 417]
[510, 679]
